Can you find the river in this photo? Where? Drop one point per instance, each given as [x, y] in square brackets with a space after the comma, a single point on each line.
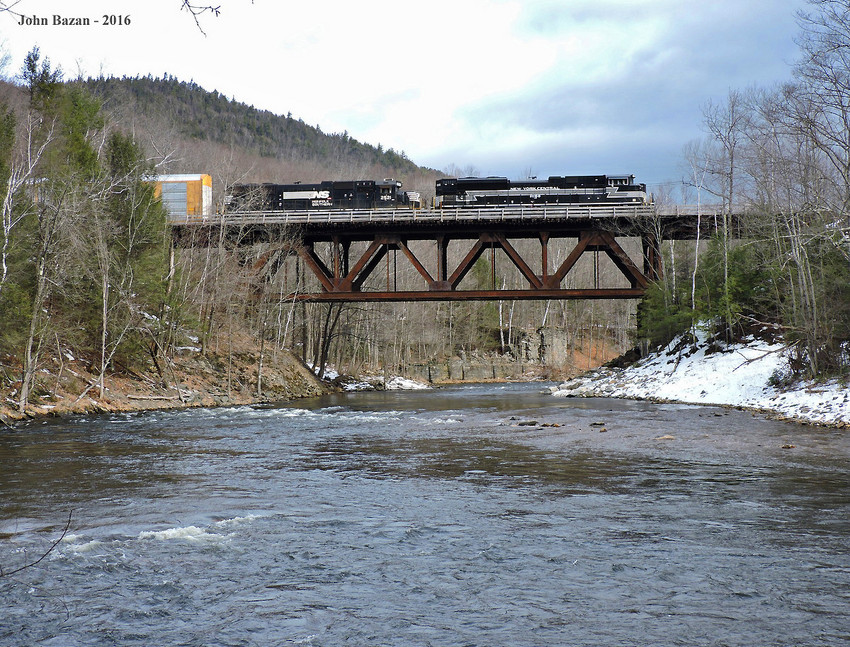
[470, 515]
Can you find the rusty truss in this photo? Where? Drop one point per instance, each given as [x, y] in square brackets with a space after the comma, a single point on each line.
[355, 256]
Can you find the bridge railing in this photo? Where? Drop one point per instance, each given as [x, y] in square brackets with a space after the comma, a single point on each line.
[690, 210]
[365, 216]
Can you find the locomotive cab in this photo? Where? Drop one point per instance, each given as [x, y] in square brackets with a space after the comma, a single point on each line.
[387, 192]
[354, 194]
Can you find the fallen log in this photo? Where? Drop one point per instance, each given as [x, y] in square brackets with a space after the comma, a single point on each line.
[153, 397]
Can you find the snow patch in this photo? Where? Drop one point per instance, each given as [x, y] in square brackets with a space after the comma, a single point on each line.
[370, 382]
[403, 384]
[739, 375]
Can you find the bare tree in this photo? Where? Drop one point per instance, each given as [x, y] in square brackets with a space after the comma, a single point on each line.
[25, 158]
[47, 200]
[24, 147]
[821, 104]
[726, 124]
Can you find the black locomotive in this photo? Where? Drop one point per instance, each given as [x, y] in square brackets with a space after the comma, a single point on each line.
[450, 192]
[579, 189]
[347, 194]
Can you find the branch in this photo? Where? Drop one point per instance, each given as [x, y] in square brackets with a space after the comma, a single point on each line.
[197, 10]
[746, 361]
[49, 550]
[10, 7]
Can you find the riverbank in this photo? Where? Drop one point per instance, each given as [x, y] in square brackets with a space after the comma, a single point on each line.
[750, 374]
[68, 385]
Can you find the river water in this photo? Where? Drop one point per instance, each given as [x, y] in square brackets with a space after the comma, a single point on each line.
[471, 515]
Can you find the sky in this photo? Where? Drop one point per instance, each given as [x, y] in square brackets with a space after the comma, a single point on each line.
[497, 87]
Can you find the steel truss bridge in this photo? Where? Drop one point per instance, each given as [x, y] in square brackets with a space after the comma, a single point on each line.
[345, 249]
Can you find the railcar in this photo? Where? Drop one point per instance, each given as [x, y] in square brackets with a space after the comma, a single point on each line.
[339, 194]
[184, 196]
[557, 189]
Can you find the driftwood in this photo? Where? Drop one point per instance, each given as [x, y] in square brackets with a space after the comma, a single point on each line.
[153, 397]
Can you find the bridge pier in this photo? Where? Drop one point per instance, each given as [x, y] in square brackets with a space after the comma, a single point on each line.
[652, 259]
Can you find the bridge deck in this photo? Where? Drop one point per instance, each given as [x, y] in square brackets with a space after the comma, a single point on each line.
[672, 222]
[351, 216]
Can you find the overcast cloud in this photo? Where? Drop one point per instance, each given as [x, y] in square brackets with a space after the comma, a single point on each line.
[505, 86]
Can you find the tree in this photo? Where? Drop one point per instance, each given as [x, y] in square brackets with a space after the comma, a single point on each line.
[821, 96]
[8, 185]
[21, 153]
[725, 124]
[49, 206]
[127, 231]
[42, 82]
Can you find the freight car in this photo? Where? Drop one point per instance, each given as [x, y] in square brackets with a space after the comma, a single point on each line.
[347, 194]
[184, 196]
[578, 189]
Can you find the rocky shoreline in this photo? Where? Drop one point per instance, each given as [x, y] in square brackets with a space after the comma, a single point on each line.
[67, 385]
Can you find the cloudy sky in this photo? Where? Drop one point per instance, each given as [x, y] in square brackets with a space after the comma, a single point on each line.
[509, 87]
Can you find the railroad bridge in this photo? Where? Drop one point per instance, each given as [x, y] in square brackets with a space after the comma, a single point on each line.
[354, 255]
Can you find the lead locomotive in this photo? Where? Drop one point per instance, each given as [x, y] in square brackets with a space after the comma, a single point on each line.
[570, 189]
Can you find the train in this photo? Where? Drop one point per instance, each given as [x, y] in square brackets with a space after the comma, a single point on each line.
[556, 189]
[346, 194]
[450, 192]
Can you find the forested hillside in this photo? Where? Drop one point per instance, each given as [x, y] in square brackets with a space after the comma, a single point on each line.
[184, 128]
[196, 113]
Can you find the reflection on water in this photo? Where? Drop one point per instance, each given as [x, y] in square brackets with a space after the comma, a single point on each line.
[515, 464]
[476, 515]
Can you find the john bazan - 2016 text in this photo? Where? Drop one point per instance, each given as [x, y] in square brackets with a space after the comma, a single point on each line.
[65, 21]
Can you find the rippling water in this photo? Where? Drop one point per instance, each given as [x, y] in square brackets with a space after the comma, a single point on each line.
[466, 516]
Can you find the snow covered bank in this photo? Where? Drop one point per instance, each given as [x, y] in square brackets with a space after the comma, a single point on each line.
[373, 382]
[377, 383]
[738, 375]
